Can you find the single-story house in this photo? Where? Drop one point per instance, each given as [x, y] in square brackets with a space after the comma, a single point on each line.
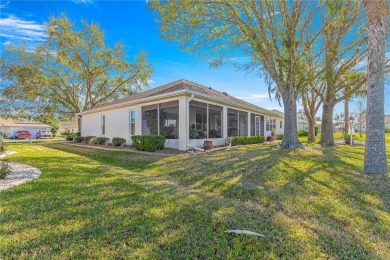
[302, 124]
[10, 126]
[186, 113]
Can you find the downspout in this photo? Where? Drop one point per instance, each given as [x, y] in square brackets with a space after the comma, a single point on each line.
[188, 119]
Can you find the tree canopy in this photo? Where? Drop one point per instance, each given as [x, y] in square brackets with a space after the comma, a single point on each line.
[73, 70]
[272, 33]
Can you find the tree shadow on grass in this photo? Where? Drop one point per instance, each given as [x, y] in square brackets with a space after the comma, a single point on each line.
[120, 204]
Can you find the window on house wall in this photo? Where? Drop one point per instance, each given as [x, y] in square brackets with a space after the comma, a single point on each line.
[197, 120]
[232, 122]
[169, 119]
[103, 124]
[132, 122]
[270, 124]
[281, 124]
[150, 120]
[215, 121]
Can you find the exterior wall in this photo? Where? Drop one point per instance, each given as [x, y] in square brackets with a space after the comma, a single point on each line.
[279, 130]
[118, 123]
[302, 126]
[199, 142]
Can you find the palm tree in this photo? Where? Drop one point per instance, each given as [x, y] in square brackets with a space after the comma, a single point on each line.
[377, 12]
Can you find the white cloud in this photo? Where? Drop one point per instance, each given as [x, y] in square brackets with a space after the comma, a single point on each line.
[240, 59]
[4, 4]
[85, 2]
[6, 43]
[151, 82]
[15, 28]
[255, 97]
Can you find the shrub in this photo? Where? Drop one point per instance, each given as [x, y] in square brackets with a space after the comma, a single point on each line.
[347, 138]
[242, 140]
[303, 133]
[279, 137]
[117, 141]
[148, 143]
[87, 138]
[79, 139]
[103, 140]
[5, 169]
[93, 140]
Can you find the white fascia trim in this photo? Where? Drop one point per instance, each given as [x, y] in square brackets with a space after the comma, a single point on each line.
[180, 93]
[139, 101]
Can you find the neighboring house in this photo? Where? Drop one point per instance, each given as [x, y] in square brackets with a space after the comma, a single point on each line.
[355, 126]
[10, 126]
[67, 126]
[186, 113]
[339, 127]
[387, 125]
[302, 125]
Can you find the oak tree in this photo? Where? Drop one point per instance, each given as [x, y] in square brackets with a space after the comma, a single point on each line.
[72, 71]
[270, 32]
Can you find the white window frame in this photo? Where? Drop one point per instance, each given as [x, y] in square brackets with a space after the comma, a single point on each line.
[131, 122]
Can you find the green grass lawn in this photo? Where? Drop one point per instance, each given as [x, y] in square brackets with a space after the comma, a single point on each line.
[89, 203]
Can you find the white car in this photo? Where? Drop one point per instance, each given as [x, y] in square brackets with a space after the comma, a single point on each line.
[44, 134]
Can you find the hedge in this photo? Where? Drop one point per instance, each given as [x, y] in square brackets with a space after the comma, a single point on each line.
[148, 143]
[103, 140]
[279, 137]
[93, 140]
[303, 133]
[240, 140]
[87, 138]
[117, 141]
[79, 139]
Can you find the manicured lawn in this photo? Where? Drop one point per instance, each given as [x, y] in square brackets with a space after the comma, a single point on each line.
[88, 203]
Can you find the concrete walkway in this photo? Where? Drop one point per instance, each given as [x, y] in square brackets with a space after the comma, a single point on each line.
[21, 173]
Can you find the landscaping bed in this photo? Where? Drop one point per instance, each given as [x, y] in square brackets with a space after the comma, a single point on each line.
[129, 148]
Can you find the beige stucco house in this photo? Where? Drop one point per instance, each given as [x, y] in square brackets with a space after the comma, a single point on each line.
[186, 113]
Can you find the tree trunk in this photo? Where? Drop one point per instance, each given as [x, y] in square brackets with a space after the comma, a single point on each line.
[327, 128]
[375, 152]
[312, 129]
[360, 124]
[290, 138]
[346, 116]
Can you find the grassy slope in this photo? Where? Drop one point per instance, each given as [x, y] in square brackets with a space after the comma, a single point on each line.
[91, 203]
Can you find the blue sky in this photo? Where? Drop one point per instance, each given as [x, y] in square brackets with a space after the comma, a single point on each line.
[134, 24]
